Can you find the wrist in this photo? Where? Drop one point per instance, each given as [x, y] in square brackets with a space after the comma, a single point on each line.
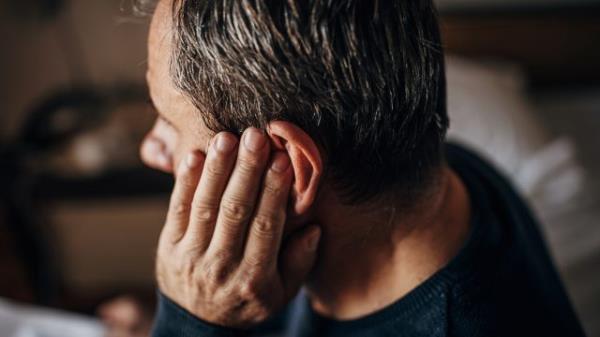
[173, 320]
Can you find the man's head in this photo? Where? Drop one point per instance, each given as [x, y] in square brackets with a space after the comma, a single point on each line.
[362, 80]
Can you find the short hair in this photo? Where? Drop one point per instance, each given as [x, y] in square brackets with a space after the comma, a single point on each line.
[364, 78]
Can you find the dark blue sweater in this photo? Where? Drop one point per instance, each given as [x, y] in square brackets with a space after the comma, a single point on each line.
[501, 283]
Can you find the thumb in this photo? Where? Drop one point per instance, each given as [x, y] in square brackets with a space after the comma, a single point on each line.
[298, 258]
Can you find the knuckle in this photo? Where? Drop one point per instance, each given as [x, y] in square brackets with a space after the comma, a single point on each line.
[235, 212]
[214, 170]
[180, 208]
[214, 273]
[273, 188]
[205, 214]
[183, 268]
[249, 290]
[187, 256]
[186, 181]
[211, 285]
[183, 175]
[248, 165]
[222, 257]
[266, 225]
[254, 266]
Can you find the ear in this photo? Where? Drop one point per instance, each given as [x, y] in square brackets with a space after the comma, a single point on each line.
[306, 162]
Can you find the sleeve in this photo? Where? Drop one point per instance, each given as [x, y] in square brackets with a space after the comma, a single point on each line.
[173, 321]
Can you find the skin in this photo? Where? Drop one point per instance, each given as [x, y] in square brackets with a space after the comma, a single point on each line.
[221, 249]
[240, 238]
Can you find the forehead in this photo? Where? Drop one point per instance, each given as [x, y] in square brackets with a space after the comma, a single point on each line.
[171, 103]
[167, 98]
[159, 40]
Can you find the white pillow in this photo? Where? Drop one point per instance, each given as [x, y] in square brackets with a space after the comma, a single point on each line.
[491, 113]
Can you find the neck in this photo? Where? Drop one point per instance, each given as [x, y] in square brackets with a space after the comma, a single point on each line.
[370, 259]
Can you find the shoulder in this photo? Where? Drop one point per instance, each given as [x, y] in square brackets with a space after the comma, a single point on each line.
[513, 281]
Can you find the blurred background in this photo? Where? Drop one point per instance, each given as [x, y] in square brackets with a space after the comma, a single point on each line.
[80, 215]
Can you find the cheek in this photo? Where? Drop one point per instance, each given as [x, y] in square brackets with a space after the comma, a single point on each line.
[163, 143]
[187, 145]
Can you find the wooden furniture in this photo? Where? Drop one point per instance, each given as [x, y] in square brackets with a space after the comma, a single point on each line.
[554, 46]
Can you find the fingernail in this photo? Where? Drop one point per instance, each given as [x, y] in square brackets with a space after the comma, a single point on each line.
[192, 160]
[224, 143]
[313, 240]
[280, 163]
[254, 139]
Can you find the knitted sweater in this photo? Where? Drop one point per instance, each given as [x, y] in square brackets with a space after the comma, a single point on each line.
[501, 283]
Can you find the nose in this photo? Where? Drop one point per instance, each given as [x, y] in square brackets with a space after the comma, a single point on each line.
[155, 154]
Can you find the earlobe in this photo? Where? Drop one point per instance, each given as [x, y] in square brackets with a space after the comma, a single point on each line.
[306, 162]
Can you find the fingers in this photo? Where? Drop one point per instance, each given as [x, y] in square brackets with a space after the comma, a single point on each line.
[239, 199]
[181, 199]
[265, 232]
[298, 258]
[205, 205]
[235, 213]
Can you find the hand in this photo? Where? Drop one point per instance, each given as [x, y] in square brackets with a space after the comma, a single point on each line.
[220, 253]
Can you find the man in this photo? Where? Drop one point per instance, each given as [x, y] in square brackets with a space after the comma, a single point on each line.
[340, 182]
